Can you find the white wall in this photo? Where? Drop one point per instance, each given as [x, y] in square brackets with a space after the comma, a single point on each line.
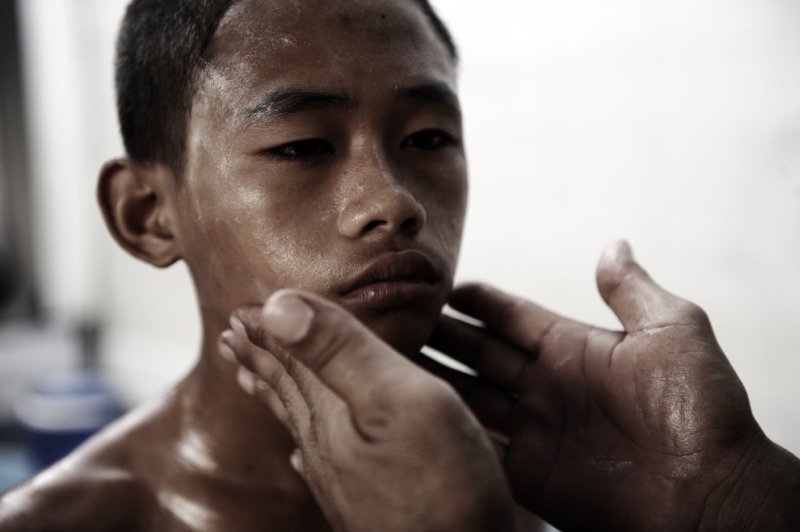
[3, 191]
[150, 316]
[675, 124]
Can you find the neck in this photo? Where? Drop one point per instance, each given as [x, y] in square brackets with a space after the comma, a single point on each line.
[229, 444]
[225, 430]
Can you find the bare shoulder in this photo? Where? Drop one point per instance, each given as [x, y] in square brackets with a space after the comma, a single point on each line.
[98, 487]
[73, 496]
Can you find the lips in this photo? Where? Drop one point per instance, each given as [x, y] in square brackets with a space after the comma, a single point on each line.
[394, 280]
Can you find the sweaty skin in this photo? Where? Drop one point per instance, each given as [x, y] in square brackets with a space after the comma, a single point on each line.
[648, 428]
[393, 450]
[324, 136]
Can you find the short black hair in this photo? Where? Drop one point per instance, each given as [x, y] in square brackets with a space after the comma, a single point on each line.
[160, 55]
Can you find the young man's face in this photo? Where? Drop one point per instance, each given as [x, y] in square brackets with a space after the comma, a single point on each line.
[324, 152]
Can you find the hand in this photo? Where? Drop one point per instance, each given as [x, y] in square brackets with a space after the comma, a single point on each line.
[382, 444]
[645, 429]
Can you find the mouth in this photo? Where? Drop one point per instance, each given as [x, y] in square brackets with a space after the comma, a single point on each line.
[397, 279]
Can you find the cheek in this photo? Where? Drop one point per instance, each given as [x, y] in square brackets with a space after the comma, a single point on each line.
[226, 238]
[446, 208]
[245, 243]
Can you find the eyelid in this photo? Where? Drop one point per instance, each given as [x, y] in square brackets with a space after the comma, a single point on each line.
[276, 152]
[448, 138]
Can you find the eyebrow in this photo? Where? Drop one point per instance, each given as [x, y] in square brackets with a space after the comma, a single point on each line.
[280, 103]
[431, 93]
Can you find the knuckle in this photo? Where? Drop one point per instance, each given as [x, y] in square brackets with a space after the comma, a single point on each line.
[338, 333]
[691, 312]
[332, 334]
[258, 336]
[326, 348]
[432, 397]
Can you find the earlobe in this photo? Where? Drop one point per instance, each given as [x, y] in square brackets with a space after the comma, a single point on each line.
[137, 210]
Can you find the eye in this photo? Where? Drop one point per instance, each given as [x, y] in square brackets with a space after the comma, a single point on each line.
[300, 150]
[429, 140]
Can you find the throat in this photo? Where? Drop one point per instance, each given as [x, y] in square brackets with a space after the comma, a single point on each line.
[227, 434]
[230, 459]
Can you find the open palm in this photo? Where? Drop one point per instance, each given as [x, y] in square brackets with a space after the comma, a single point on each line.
[605, 429]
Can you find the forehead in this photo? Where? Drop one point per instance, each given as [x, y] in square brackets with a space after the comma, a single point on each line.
[325, 44]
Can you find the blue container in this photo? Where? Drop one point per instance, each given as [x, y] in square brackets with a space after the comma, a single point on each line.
[60, 411]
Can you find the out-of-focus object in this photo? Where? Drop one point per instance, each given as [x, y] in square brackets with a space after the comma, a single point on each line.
[9, 279]
[19, 297]
[62, 410]
[28, 350]
[14, 464]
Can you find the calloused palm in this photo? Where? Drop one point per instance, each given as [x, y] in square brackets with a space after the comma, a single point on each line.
[644, 429]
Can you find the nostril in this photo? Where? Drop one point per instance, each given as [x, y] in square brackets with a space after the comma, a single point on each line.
[410, 225]
[374, 224]
[392, 211]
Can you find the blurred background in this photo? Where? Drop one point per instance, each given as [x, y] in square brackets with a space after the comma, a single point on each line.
[675, 124]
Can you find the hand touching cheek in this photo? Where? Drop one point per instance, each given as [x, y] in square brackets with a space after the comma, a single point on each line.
[382, 444]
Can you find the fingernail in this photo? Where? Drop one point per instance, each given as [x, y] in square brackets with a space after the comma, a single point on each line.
[296, 460]
[287, 317]
[618, 251]
[226, 352]
[625, 249]
[246, 380]
[238, 326]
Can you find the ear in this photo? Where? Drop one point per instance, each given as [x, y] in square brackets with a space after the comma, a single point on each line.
[138, 209]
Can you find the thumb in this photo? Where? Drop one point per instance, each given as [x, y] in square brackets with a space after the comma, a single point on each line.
[626, 287]
[298, 326]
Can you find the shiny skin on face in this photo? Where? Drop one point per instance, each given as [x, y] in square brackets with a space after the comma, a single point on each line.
[325, 152]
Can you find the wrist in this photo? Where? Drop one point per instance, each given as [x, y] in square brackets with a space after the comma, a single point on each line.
[494, 511]
[761, 493]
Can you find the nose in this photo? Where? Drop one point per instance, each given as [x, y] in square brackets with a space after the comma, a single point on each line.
[381, 206]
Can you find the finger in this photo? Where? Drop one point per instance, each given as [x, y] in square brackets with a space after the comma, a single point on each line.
[481, 350]
[260, 372]
[306, 398]
[492, 406]
[516, 320]
[347, 357]
[258, 388]
[296, 461]
[635, 298]
[251, 384]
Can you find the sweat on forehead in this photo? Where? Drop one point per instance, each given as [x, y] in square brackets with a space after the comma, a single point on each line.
[164, 44]
[319, 45]
[264, 27]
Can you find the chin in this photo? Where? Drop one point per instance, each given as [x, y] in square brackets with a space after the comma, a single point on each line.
[405, 331]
